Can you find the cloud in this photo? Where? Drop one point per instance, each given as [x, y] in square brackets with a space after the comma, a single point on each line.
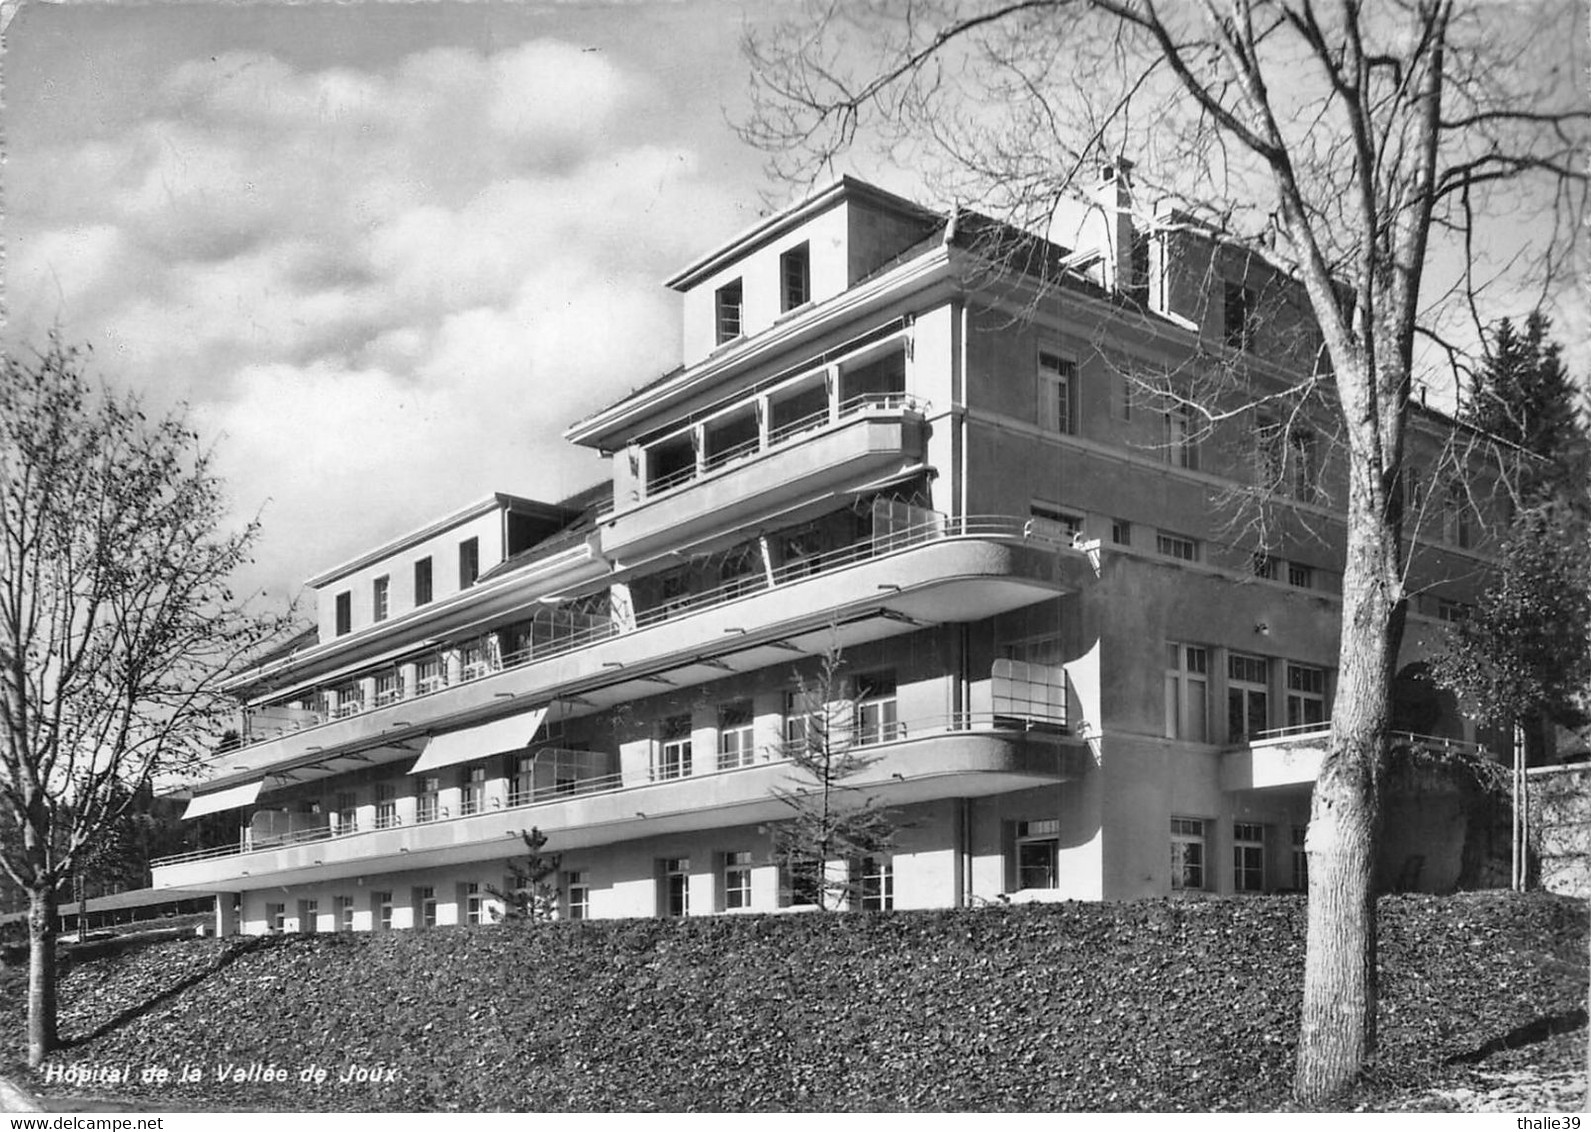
[389, 289]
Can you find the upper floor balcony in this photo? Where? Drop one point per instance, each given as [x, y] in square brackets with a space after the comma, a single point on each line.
[1292, 756]
[577, 800]
[727, 471]
[913, 570]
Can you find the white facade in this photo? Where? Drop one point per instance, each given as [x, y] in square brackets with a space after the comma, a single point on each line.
[1073, 683]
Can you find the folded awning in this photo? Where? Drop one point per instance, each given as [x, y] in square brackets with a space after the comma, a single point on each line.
[509, 734]
[232, 798]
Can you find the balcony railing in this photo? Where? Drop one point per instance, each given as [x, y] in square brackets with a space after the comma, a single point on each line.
[789, 430]
[542, 794]
[1281, 736]
[935, 527]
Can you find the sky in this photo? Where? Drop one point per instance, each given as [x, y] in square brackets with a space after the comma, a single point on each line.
[385, 252]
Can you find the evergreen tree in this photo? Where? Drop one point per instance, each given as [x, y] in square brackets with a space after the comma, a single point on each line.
[1523, 394]
[1525, 651]
[833, 823]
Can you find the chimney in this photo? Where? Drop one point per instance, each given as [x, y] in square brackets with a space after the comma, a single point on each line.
[1113, 196]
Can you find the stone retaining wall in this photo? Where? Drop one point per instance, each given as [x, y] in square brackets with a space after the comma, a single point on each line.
[1560, 827]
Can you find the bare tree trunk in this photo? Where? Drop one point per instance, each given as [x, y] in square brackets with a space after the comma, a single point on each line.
[41, 974]
[1338, 1031]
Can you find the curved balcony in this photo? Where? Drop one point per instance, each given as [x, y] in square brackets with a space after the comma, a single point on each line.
[910, 761]
[893, 583]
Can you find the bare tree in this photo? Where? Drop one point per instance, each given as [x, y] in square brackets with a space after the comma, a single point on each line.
[1347, 137]
[116, 626]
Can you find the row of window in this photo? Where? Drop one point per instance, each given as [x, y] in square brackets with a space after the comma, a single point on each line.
[469, 560]
[1248, 691]
[795, 289]
[869, 716]
[868, 883]
[1190, 860]
[870, 886]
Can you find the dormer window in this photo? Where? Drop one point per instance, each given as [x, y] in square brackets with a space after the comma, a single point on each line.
[730, 300]
[795, 277]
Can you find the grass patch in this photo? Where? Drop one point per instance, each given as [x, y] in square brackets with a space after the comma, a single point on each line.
[1157, 1005]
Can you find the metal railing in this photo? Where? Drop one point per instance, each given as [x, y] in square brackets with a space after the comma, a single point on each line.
[851, 407]
[880, 735]
[935, 527]
[1279, 736]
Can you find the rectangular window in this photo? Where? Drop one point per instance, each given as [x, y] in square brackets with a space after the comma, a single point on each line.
[1180, 440]
[380, 591]
[478, 658]
[1054, 524]
[427, 798]
[1306, 695]
[1457, 528]
[1121, 532]
[875, 709]
[430, 675]
[1176, 546]
[803, 883]
[276, 917]
[795, 277]
[345, 613]
[345, 818]
[1300, 575]
[1238, 317]
[469, 562]
[474, 903]
[728, 302]
[577, 894]
[345, 913]
[737, 880]
[675, 879]
[389, 687]
[422, 581]
[1263, 565]
[424, 905]
[1449, 610]
[350, 701]
[1038, 849]
[1187, 692]
[1187, 854]
[673, 749]
[1057, 393]
[1304, 473]
[1247, 696]
[1248, 857]
[1270, 451]
[522, 788]
[381, 903]
[875, 884]
[386, 805]
[800, 708]
[308, 916]
[472, 795]
[1300, 859]
[735, 747]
